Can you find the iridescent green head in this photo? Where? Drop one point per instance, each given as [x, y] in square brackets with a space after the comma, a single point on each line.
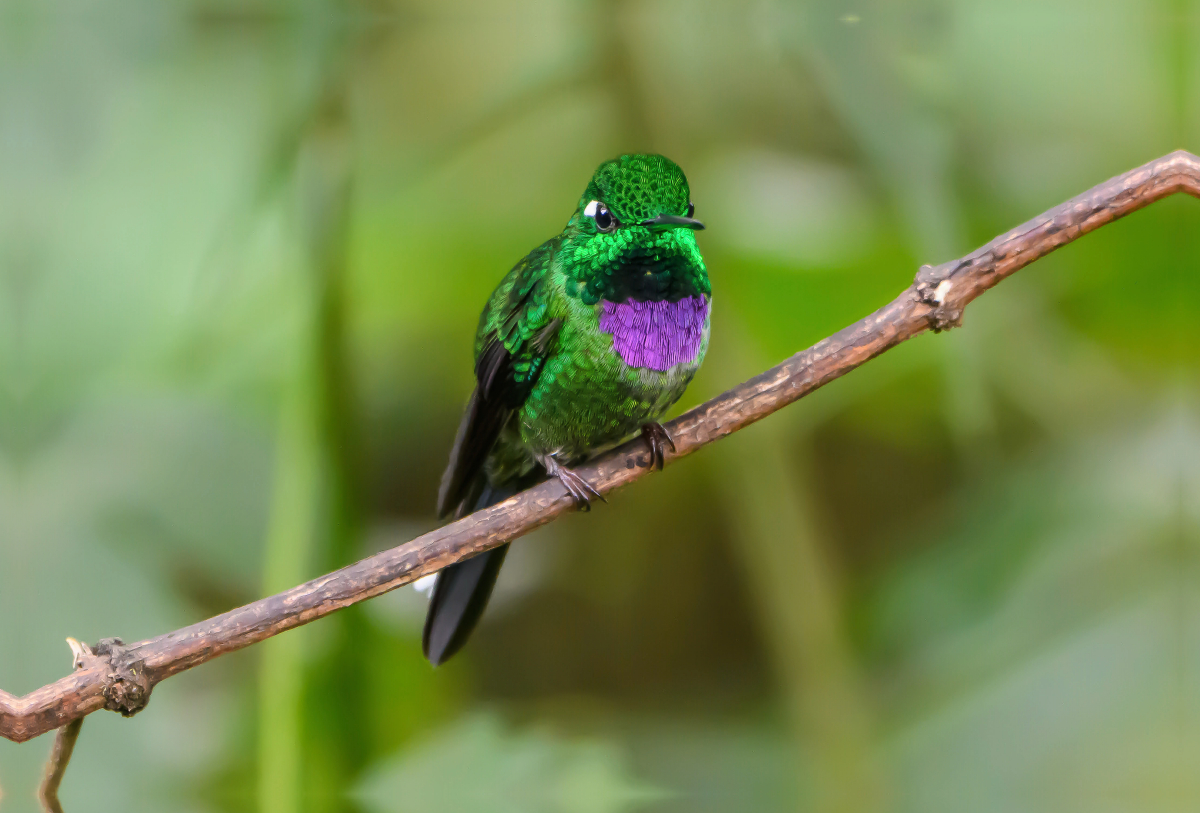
[633, 234]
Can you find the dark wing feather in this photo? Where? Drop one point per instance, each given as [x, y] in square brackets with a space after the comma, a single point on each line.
[515, 336]
[482, 421]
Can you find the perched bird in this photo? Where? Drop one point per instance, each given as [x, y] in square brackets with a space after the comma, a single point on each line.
[588, 340]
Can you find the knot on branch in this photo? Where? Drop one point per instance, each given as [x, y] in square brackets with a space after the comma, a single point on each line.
[933, 285]
[126, 685]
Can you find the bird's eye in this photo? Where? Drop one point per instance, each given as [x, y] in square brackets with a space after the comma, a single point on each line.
[605, 221]
[691, 209]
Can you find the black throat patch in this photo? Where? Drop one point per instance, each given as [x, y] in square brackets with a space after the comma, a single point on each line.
[642, 279]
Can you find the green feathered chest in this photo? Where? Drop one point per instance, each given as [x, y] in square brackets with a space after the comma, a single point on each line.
[614, 367]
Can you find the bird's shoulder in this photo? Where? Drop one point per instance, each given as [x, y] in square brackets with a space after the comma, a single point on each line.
[521, 307]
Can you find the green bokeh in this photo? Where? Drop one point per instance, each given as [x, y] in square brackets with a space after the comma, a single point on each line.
[243, 248]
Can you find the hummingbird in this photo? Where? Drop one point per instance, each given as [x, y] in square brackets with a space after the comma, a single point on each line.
[585, 343]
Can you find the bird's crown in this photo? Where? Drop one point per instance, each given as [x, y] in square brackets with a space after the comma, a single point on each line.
[638, 187]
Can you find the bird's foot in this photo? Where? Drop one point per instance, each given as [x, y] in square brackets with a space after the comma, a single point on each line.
[658, 440]
[580, 489]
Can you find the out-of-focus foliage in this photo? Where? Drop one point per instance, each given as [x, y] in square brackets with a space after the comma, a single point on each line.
[242, 252]
[529, 773]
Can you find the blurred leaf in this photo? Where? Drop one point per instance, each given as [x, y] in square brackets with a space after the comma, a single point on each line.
[1050, 652]
[477, 765]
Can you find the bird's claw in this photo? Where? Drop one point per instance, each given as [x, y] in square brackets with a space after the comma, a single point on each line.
[580, 489]
[658, 439]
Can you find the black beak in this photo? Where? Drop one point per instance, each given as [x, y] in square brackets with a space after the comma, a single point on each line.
[670, 222]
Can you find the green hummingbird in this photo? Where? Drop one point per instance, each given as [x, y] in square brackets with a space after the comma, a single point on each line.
[588, 340]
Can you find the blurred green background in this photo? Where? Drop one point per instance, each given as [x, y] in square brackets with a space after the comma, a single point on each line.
[243, 247]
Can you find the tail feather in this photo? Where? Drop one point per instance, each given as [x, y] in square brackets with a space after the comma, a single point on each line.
[460, 596]
[462, 590]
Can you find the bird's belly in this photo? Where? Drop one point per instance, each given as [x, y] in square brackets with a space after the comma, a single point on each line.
[581, 414]
[589, 397]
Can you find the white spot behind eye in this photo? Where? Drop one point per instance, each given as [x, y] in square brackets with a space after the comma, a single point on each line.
[590, 209]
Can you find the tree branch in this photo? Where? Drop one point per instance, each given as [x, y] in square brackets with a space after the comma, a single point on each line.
[56, 766]
[120, 677]
[64, 741]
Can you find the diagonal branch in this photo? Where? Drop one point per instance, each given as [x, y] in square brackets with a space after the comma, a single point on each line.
[121, 677]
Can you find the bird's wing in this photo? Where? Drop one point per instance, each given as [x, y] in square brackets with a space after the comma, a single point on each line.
[516, 334]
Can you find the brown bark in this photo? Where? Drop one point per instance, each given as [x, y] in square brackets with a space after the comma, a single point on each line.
[120, 677]
[56, 766]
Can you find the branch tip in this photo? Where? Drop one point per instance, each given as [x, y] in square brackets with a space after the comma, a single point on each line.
[79, 653]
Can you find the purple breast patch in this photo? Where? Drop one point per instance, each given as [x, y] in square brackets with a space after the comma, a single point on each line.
[657, 335]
